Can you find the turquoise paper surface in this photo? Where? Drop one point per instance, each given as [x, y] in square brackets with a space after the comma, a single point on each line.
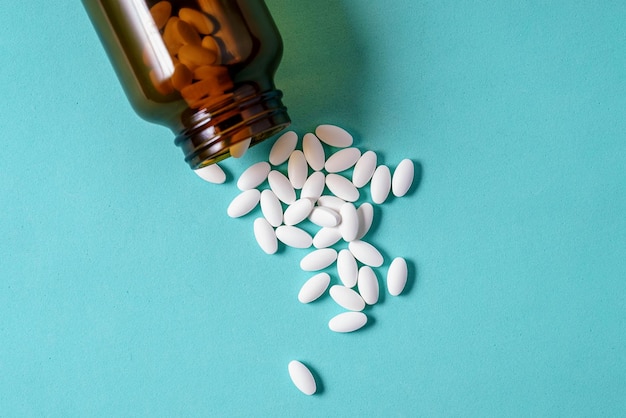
[125, 290]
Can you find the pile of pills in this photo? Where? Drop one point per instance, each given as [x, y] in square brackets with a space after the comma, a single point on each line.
[318, 190]
[199, 50]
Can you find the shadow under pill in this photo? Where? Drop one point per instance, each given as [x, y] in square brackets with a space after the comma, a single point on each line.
[319, 383]
[411, 280]
[417, 178]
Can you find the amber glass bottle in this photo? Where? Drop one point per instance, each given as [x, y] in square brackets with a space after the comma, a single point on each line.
[203, 68]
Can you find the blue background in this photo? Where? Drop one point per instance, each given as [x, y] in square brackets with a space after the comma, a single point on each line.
[125, 290]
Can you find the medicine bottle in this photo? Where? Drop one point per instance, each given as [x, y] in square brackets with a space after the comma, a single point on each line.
[203, 68]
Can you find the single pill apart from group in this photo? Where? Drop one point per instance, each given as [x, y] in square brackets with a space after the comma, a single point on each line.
[302, 377]
[397, 276]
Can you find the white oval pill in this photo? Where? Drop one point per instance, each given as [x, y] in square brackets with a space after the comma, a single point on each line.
[364, 169]
[365, 212]
[297, 211]
[347, 322]
[313, 151]
[283, 147]
[271, 208]
[367, 284]
[293, 236]
[243, 203]
[402, 178]
[318, 259]
[253, 175]
[342, 160]
[324, 217]
[239, 149]
[347, 268]
[302, 377]
[326, 237]
[334, 136]
[347, 298]
[397, 276]
[381, 184]
[313, 186]
[349, 226]
[366, 253]
[342, 187]
[297, 169]
[313, 288]
[281, 186]
[265, 236]
[332, 202]
[212, 173]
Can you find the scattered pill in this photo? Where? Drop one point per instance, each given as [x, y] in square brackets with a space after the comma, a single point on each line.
[297, 211]
[318, 259]
[313, 151]
[303, 194]
[349, 226]
[332, 202]
[297, 169]
[212, 173]
[313, 186]
[367, 284]
[397, 276]
[253, 176]
[271, 208]
[347, 322]
[281, 186]
[402, 178]
[347, 268]
[365, 213]
[265, 236]
[364, 169]
[302, 377]
[347, 298]
[313, 288]
[342, 160]
[283, 147]
[293, 236]
[381, 184]
[366, 253]
[324, 217]
[342, 187]
[243, 203]
[334, 136]
[326, 237]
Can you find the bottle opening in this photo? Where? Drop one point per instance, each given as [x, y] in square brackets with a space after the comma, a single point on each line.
[231, 127]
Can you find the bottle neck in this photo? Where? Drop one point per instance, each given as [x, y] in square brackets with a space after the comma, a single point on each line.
[209, 134]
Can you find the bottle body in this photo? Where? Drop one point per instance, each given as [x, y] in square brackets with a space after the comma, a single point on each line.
[203, 68]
